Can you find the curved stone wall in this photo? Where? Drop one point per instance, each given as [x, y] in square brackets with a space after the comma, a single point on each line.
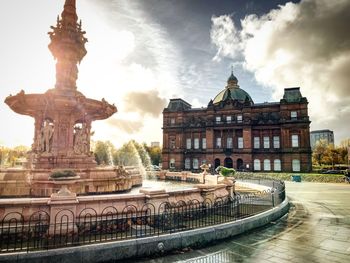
[141, 247]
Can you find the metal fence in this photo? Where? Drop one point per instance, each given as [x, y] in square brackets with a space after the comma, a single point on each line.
[39, 232]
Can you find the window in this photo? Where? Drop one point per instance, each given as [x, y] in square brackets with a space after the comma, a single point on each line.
[228, 119]
[204, 161]
[295, 140]
[267, 165]
[293, 115]
[172, 163]
[218, 142]
[204, 143]
[172, 121]
[172, 143]
[266, 142]
[240, 142]
[187, 163]
[229, 143]
[217, 119]
[257, 165]
[276, 142]
[196, 143]
[277, 165]
[239, 118]
[188, 143]
[195, 163]
[256, 142]
[296, 165]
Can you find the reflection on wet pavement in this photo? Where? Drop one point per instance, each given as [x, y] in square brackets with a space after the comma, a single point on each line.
[316, 229]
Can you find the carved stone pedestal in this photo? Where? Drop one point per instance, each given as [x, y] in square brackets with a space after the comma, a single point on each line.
[157, 196]
[63, 210]
[230, 185]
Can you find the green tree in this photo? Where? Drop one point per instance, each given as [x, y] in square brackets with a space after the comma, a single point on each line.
[103, 152]
[155, 154]
[127, 155]
[131, 153]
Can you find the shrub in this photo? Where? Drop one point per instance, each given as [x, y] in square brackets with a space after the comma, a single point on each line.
[62, 173]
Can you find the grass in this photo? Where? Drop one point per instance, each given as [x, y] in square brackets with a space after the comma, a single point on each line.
[305, 177]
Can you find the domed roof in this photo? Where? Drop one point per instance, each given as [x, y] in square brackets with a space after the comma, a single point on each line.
[232, 78]
[232, 91]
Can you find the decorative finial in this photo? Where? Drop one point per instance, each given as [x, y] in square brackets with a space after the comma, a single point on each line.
[232, 80]
[67, 46]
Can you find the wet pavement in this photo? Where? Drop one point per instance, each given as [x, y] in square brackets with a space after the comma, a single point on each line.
[316, 229]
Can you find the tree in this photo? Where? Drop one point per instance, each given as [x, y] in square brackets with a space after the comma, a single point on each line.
[9, 156]
[103, 152]
[128, 155]
[155, 154]
[344, 150]
[131, 153]
[319, 152]
[328, 154]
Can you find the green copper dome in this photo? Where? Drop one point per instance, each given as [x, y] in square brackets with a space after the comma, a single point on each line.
[233, 91]
[232, 78]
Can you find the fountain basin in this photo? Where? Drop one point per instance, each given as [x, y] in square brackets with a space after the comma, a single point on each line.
[37, 182]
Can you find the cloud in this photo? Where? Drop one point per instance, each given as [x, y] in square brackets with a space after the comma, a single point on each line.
[145, 103]
[305, 44]
[225, 37]
[126, 126]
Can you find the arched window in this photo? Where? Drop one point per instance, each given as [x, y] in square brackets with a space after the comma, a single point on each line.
[267, 165]
[187, 163]
[257, 165]
[277, 165]
[296, 165]
[172, 163]
[195, 163]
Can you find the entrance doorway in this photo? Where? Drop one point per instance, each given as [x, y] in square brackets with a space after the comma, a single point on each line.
[216, 163]
[240, 164]
[228, 162]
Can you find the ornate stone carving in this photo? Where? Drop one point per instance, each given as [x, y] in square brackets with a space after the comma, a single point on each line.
[81, 139]
[45, 137]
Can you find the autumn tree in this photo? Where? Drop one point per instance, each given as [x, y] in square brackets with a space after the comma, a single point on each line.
[9, 156]
[328, 154]
[319, 152]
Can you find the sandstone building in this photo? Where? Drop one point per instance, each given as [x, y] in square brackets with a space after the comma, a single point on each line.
[236, 132]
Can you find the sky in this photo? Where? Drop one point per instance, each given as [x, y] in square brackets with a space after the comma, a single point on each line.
[141, 53]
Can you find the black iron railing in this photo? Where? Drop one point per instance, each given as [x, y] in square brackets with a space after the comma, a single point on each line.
[39, 232]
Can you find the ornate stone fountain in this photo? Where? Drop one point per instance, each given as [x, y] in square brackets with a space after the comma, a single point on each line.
[63, 118]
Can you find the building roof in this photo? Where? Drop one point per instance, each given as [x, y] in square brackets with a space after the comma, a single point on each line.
[292, 95]
[321, 131]
[178, 105]
[233, 91]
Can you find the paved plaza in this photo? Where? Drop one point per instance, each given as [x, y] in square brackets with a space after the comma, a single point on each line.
[317, 229]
